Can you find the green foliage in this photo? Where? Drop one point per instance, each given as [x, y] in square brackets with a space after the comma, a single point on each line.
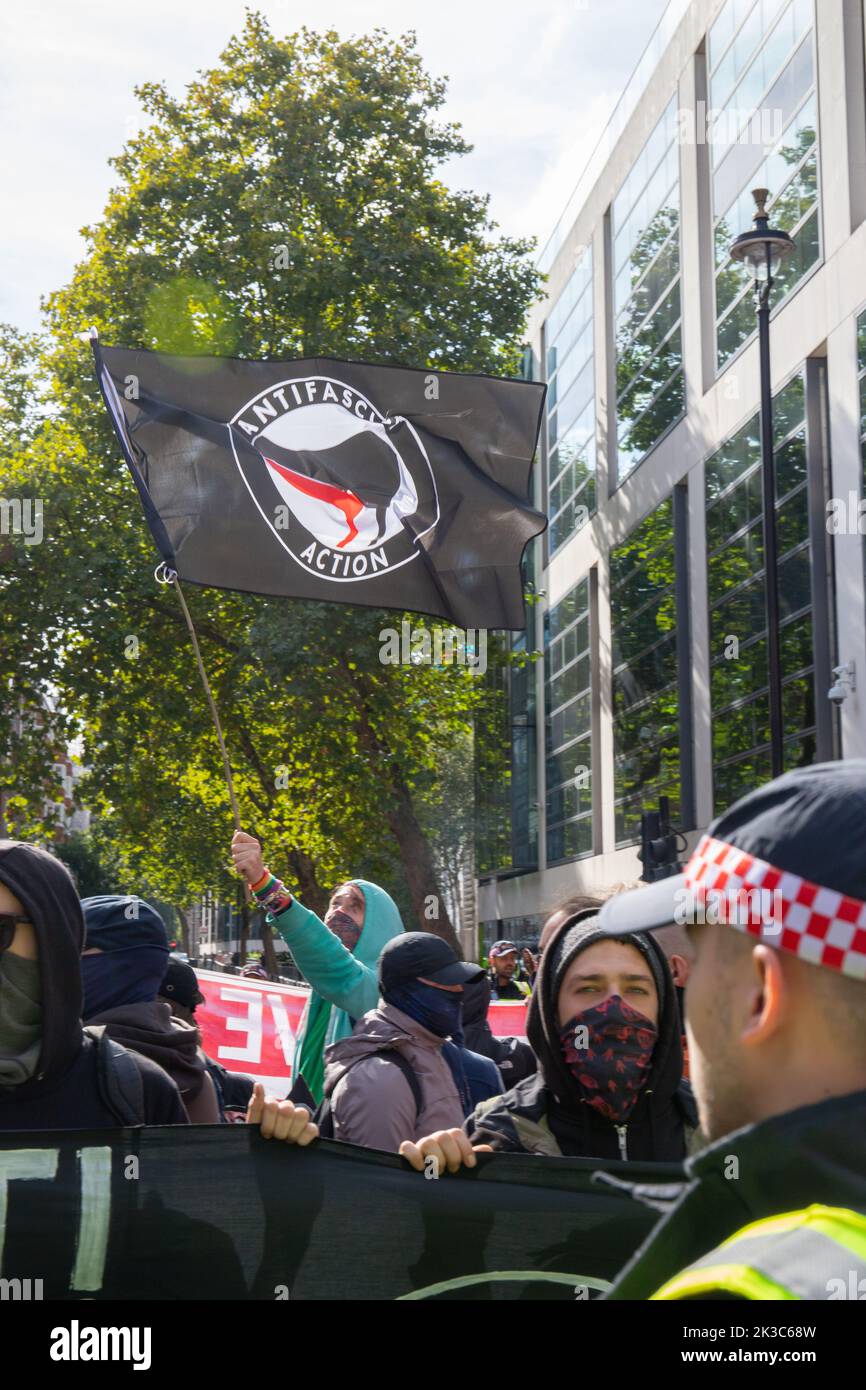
[287, 205]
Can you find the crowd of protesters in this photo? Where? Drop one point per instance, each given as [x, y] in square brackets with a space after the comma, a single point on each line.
[395, 1052]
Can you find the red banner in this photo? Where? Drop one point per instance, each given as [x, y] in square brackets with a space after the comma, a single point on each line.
[508, 1018]
[250, 1025]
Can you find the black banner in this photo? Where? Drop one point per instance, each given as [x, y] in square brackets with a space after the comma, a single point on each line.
[321, 479]
[216, 1212]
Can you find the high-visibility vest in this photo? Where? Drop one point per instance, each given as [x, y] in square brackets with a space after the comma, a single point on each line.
[816, 1253]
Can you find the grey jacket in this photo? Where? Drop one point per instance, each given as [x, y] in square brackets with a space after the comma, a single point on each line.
[371, 1100]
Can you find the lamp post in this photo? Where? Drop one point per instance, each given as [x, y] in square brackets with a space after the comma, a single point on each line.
[762, 250]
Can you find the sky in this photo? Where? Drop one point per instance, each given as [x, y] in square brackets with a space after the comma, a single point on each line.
[532, 86]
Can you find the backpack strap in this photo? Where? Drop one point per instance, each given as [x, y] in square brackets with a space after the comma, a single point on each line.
[394, 1055]
[324, 1116]
[119, 1077]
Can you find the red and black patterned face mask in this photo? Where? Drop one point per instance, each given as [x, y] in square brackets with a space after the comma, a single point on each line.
[344, 927]
[610, 1061]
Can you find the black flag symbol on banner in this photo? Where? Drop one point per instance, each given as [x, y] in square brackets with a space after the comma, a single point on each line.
[321, 479]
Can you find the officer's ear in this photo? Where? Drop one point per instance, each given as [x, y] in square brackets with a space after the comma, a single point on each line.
[768, 996]
[679, 969]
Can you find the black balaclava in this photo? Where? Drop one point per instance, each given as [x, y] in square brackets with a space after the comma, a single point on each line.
[476, 1001]
[45, 889]
[131, 938]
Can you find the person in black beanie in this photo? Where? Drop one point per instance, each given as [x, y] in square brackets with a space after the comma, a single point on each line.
[604, 1024]
[53, 1074]
[180, 990]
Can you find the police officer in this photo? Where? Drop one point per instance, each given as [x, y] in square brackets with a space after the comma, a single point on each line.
[774, 902]
[505, 976]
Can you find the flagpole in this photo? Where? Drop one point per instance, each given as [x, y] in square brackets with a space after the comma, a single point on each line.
[164, 575]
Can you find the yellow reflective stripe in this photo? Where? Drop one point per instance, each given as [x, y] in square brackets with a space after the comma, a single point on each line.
[847, 1228]
[738, 1279]
[844, 1227]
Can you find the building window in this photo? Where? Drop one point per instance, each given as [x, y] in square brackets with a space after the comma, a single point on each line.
[646, 703]
[738, 625]
[506, 811]
[645, 233]
[571, 407]
[763, 135]
[568, 716]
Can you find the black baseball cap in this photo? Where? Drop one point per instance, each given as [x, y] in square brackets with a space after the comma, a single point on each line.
[180, 983]
[800, 838]
[417, 953]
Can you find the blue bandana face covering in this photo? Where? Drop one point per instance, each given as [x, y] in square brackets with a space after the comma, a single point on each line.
[130, 976]
[438, 1010]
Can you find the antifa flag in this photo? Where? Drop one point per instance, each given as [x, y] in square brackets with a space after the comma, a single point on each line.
[387, 487]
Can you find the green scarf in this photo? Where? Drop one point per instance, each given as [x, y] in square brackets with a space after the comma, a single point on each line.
[311, 1065]
[20, 1018]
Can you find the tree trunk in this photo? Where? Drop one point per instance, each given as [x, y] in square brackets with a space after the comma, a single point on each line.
[303, 872]
[269, 955]
[431, 911]
[184, 928]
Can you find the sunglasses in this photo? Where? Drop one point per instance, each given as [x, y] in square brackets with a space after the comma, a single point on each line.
[8, 923]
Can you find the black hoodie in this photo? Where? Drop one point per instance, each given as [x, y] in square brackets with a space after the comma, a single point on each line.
[547, 1113]
[64, 1092]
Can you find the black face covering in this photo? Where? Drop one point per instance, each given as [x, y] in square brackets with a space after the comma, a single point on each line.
[20, 1018]
[44, 887]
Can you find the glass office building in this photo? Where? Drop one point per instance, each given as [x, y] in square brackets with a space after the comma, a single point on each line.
[645, 265]
[571, 407]
[652, 677]
[763, 135]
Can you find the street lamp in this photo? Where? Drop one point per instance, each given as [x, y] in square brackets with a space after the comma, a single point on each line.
[762, 250]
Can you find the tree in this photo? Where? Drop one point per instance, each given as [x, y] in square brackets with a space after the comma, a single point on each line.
[287, 205]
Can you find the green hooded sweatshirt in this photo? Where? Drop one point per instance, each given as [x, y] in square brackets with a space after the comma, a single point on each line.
[345, 984]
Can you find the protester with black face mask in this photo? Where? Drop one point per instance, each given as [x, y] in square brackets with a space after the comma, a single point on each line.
[53, 1074]
[604, 1025]
[122, 968]
[393, 1078]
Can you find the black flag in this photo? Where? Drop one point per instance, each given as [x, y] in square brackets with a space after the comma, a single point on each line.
[383, 486]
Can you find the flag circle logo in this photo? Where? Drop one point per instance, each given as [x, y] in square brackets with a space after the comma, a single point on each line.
[346, 490]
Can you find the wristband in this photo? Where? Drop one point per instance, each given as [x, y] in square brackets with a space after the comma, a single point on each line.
[260, 882]
[274, 896]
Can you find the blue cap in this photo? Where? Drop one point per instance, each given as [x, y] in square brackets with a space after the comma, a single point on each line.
[114, 922]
